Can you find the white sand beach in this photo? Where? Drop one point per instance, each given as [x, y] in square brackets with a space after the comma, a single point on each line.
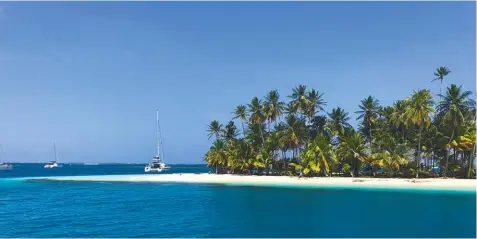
[285, 181]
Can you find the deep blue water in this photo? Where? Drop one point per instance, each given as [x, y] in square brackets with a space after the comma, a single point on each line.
[119, 209]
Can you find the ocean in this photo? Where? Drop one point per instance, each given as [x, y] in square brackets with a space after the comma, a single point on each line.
[42, 208]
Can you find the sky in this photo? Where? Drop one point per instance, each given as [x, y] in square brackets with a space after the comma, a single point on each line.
[90, 75]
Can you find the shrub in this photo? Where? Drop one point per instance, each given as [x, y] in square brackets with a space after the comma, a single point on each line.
[409, 173]
[346, 168]
[424, 174]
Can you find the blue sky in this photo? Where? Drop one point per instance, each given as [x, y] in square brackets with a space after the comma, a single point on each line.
[90, 75]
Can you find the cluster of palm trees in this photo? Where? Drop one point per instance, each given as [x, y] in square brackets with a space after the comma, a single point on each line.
[415, 137]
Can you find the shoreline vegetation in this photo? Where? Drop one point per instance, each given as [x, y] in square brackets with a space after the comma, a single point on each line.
[468, 185]
[424, 135]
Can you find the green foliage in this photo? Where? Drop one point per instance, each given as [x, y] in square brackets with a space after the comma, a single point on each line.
[346, 169]
[424, 174]
[300, 137]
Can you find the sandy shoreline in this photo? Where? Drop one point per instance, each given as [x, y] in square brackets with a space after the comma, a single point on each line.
[284, 181]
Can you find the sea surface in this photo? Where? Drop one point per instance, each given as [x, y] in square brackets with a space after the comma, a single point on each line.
[133, 209]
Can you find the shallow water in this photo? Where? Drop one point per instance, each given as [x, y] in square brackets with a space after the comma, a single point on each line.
[127, 209]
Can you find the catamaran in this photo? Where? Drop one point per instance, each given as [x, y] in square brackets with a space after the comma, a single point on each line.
[54, 163]
[157, 164]
[4, 166]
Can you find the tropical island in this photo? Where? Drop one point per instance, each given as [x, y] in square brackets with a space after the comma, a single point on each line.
[424, 135]
[422, 142]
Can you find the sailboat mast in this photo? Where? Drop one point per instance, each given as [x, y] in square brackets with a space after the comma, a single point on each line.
[160, 140]
[54, 149]
[157, 133]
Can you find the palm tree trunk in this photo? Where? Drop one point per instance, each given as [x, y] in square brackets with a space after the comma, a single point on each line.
[440, 91]
[403, 137]
[447, 153]
[243, 129]
[419, 152]
[285, 162]
[370, 138]
[352, 168]
[447, 161]
[471, 160]
[431, 163]
[261, 133]
[355, 166]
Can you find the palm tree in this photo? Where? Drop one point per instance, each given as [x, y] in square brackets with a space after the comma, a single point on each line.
[319, 127]
[257, 115]
[353, 148]
[452, 109]
[418, 113]
[369, 113]
[283, 142]
[240, 155]
[254, 134]
[316, 156]
[217, 154]
[214, 129]
[398, 117]
[388, 161]
[339, 120]
[432, 137]
[272, 147]
[315, 104]
[467, 143]
[440, 73]
[295, 132]
[300, 101]
[241, 113]
[230, 131]
[273, 106]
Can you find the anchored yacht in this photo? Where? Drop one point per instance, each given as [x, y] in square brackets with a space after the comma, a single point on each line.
[157, 164]
[53, 163]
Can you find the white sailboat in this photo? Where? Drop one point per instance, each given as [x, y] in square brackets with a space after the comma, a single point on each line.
[54, 163]
[157, 164]
[4, 166]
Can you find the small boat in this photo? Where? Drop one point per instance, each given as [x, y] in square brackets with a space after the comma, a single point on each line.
[5, 166]
[156, 165]
[54, 163]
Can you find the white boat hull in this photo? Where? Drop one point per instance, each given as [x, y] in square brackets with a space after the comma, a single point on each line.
[152, 170]
[52, 166]
[7, 167]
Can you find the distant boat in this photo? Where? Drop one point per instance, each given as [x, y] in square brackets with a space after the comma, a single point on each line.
[54, 163]
[5, 166]
[157, 163]
[91, 164]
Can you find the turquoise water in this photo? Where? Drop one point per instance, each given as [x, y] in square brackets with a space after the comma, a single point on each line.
[120, 209]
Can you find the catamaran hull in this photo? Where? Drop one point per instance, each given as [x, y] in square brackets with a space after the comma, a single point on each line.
[6, 168]
[52, 166]
[152, 170]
